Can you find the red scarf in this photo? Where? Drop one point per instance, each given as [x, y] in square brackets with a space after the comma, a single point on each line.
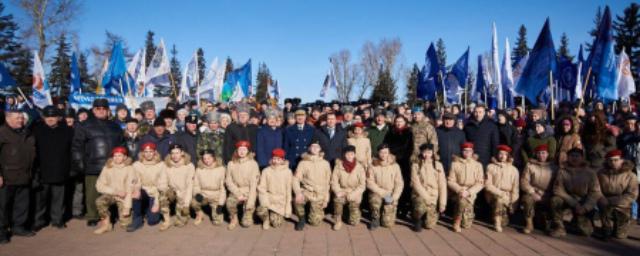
[401, 130]
[348, 166]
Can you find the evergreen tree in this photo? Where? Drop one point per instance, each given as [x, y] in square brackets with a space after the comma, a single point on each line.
[85, 77]
[385, 88]
[150, 47]
[521, 48]
[10, 47]
[412, 85]
[471, 80]
[563, 50]
[263, 80]
[627, 34]
[22, 71]
[174, 64]
[228, 67]
[594, 31]
[441, 52]
[60, 75]
[202, 65]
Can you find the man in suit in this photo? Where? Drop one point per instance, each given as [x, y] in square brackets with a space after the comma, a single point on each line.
[332, 137]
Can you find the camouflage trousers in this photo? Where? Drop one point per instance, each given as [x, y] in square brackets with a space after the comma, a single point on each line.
[354, 210]
[388, 210]
[500, 209]
[232, 207]
[530, 206]
[103, 202]
[216, 217]
[464, 210]
[583, 222]
[316, 211]
[615, 220]
[421, 208]
[265, 214]
[182, 213]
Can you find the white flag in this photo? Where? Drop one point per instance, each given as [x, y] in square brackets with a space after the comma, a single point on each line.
[507, 73]
[158, 74]
[578, 90]
[495, 67]
[211, 85]
[624, 81]
[189, 79]
[41, 91]
[238, 94]
[136, 69]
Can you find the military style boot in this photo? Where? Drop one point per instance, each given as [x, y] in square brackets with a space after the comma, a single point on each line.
[199, 217]
[300, 224]
[105, 226]
[528, 225]
[498, 224]
[166, 223]
[233, 223]
[417, 225]
[456, 224]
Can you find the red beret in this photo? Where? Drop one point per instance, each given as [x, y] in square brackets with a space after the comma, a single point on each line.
[614, 153]
[504, 148]
[520, 123]
[243, 143]
[150, 145]
[359, 125]
[120, 149]
[278, 152]
[466, 145]
[542, 147]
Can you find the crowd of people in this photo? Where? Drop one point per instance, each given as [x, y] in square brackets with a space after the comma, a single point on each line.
[254, 161]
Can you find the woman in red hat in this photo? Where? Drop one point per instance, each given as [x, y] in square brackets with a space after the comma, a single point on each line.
[274, 191]
[536, 184]
[465, 180]
[502, 186]
[116, 185]
[153, 180]
[358, 138]
[242, 182]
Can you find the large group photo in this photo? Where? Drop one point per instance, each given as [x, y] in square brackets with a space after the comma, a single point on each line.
[114, 142]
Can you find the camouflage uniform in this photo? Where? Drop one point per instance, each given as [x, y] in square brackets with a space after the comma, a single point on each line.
[312, 181]
[232, 207]
[354, 210]
[619, 189]
[429, 196]
[465, 175]
[182, 213]
[275, 219]
[216, 216]
[316, 211]
[388, 211]
[423, 132]
[384, 179]
[353, 185]
[210, 140]
[103, 202]
[421, 208]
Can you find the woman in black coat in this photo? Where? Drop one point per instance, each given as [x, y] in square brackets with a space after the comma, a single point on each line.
[400, 141]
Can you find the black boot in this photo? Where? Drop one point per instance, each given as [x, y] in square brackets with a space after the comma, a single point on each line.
[300, 225]
[375, 223]
[417, 225]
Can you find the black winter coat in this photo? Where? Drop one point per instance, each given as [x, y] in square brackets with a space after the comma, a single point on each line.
[236, 132]
[132, 144]
[189, 142]
[332, 147]
[17, 154]
[485, 138]
[53, 147]
[449, 141]
[92, 143]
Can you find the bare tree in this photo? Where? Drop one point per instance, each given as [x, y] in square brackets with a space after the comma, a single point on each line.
[374, 58]
[47, 19]
[346, 74]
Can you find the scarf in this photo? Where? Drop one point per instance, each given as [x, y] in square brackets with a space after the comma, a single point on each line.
[348, 166]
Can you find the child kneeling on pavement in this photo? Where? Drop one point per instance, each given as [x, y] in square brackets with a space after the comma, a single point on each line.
[274, 191]
[208, 187]
[384, 181]
[180, 173]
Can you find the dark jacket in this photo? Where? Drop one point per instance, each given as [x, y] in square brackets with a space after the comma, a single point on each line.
[485, 138]
[507, 133]
[401, 145]
[17, 154]
[53, 147]
[162, 143]
[296, 142]
[268, 140]
[92, 143]
[449, 141]
[132, 144]
[236, 132]
[332, 147]
[188, 141]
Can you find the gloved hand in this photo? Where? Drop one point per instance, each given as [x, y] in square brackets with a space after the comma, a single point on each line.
[388, 199]
[199, 198]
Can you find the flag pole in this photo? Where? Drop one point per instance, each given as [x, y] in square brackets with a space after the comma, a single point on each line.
[584, 89]
[25, 97]
[553, 112]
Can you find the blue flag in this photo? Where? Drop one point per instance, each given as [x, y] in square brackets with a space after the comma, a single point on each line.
[480, 82]
[567, 74]
[76, 85]
[6, 81]
[238, 83]
[534, 81]
[457, 77]
[428, 78]
[116, 80]
[602, 61]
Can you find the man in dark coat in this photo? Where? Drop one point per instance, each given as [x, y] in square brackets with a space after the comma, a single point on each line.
[483, 133]
[53, 146]
[132, 137]
[297, 138]
[450, 138]
[332, 138]
[160, 137]
[92, 143]
[270, 137]
[242, 130]
[188, 137]
[17, 154]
